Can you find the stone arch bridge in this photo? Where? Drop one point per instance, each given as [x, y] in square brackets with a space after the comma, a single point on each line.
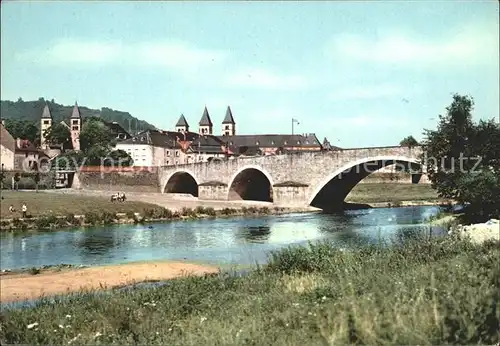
[320, 179]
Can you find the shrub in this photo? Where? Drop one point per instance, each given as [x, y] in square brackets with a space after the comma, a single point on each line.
[199, 210]
[148, 212]
[187, 212]
[18, 224]
[34, 271]
[252, 210]
[107, 218]
[42, 223]
[130, 215]
[210, 211]
[91, 218]
[264, 210]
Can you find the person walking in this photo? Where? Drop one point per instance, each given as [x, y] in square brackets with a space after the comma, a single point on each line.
[24, 209]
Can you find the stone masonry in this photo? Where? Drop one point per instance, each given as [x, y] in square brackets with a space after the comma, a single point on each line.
[295, 179]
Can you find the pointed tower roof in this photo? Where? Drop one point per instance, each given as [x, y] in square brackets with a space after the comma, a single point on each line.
[76, 112]
[182, 121]
[205, 118]
[228, 119]
[46, 112]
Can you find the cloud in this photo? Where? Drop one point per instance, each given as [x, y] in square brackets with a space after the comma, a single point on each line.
[470, 45]
[171, 54]
[366, 92]
[262, 79]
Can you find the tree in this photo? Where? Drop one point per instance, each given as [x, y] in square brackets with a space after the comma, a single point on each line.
[95, 134]
[408, 142]
[462, 159]
[119, 158]
[22, 129]
[59, 134]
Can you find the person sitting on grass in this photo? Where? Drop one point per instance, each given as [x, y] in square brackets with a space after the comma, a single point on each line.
[12, 209]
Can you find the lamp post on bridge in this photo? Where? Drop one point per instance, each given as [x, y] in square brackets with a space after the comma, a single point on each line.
[293, 122]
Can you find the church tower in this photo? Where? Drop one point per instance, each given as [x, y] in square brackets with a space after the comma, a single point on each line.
[205, 126]
[75, 127]
[228, 124]
[182, 124]
[45, 124]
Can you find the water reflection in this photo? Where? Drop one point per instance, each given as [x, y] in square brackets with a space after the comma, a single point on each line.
[223, 241]
[253, 234]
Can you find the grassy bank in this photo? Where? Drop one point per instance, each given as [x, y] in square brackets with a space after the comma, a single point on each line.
[155, 214]
[434, 291]
[391, 193]
[43, 204]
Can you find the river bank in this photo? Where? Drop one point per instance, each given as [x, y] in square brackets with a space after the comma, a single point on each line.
[56, 209]
[154, 215]
[305, 295]
[63, 280]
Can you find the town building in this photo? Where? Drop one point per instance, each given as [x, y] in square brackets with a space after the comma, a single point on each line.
[182, 146]
[18, 154]
[165, 148]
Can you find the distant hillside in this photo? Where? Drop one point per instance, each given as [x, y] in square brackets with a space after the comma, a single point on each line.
[32, 111]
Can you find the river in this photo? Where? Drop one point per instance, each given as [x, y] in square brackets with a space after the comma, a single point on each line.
[224, 242]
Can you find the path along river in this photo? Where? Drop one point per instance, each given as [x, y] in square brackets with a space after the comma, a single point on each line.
[223, 242]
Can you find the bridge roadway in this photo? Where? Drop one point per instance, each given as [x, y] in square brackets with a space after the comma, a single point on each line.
[319, 179]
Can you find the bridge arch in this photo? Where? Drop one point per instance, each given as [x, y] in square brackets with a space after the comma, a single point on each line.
[331, 192]
[251, 183]
[181, 182]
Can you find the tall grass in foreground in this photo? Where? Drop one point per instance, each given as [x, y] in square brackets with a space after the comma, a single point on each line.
[427, 291]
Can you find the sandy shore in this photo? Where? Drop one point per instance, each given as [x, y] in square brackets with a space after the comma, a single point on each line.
[19, 287]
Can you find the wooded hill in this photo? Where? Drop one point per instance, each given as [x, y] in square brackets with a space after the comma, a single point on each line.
[32, 111]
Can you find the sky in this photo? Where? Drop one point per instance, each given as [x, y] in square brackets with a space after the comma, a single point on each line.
[360, 73]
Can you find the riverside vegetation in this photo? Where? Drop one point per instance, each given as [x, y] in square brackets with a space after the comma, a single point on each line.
[155, 214]
[422, 291]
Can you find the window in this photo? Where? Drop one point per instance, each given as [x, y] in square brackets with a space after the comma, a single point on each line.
[177, 153]
[168, 153]
[227, 127]
[75, 128]
[144, 149]
[75, 121]
[46, 122]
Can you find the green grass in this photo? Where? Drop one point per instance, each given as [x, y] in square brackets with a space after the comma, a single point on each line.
[391, 192]
[438, 291]
[45, 204]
